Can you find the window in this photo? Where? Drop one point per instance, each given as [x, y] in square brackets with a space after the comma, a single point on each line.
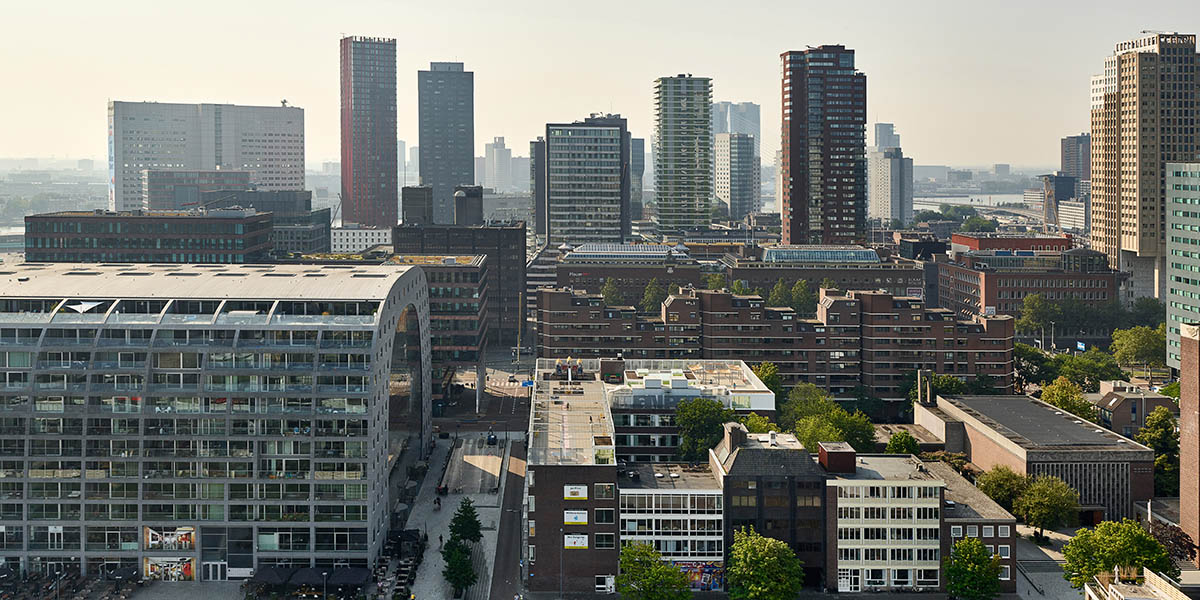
[605, 516]
[532, 527]
[876, 577]
[972, 531]
[1005, 572]
[606, 491]
[529, 478]
[1002, 531]
[927, 554]
[849, 553]
[927, 577]
[1005, 551]
[532, 504]
[606, 541]
[532, 553]
[956, 531]
[989, 531]
[745, 501]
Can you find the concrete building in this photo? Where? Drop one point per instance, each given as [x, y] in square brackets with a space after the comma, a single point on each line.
[295, 226]
[968, 241]
[683, 159]
[233, 418]
[181, 190]
[1189, 431]
[824, 166]
[1075, 217]
[587, 181]
[886, 136]
[537, 183]
[267, 141]
[497, 166]
[1112, 473]
[504, 246]
[1123, 408]
[230, 236]
[369, 164]
[446, 106]
[1145, 94]
[468, 205]
[738, 117]
[890, 191]
[1076, 156]
[1183, 251]
[416, 205]
[356, 238]
[737, 173]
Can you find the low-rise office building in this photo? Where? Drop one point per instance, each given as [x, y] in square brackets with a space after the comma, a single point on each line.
[203, 421]
[631, 267]
[352, 238]
[848, 267]
[965, 241]
[996, 282]
[295, 229]
[229, 236]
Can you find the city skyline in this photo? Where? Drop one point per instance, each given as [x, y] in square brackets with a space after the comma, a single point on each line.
[973, 105]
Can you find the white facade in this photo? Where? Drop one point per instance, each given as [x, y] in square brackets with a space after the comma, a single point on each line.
[587, 181]
[268, 141]
[497, 166]
[683, 159]
[737, 173]
[889, 185]
[684, 525]
[357, 239]
[1075, 215]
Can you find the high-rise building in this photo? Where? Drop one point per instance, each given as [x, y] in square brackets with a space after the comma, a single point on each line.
[1077, 156]
[446, 107]
[1056, 188]
[537, 183]
[192, 471]
[738, 117]
[683, 160]
[401, 164]
[267, 141]
[587, 181]
[497, 166]
[637, 170]
[1140, 105]
[414, 165]
[1183, 221]
[737, 173]
[416, 205]
[886, 136]
[370, 194]
[519, 176]
[468, 205]
[824, 146]
[890, 194]
[1189, 432]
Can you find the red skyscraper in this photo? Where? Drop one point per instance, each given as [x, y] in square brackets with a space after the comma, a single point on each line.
[369, 190]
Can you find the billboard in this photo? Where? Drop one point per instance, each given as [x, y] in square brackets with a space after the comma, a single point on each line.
[575, 517]
[575, 542]
[575, 492]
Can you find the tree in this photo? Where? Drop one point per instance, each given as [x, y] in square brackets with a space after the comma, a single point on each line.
[1067, 395]
[817, 418]
[1161, 435]
[1177, 542]
[612, 294]
[756, 423]
[458, 572]
[714, 281]
[644, 575]
[979, 224]
[1087, 370]
[972, 571]
[700, 422]
[465, 523]
[1003, 485]
[982, 385]
[740, 288]
[780, 295]
[1033, 366]
[902, 442]
[828, 284]
[896, 224]
[1037, 313]
[957, 460]
[1113, 545]
[762, 568]
[1171, 389]
[1148, 312]
[1140, 346]
[1048, 503]
[653, 297]
[804, 300]
[804, 400]
[857, 430]
[810, 431]
[768, 373]
[926, 216]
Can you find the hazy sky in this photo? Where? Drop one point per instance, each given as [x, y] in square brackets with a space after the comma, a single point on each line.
[967, 83]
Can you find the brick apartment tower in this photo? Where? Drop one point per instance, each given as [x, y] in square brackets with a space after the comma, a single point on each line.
[1189, 431]
[824, 165]
[369, 182]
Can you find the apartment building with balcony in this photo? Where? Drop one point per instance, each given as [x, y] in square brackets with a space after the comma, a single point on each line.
[198, 422]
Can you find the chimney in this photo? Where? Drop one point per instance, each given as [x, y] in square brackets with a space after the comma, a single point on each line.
[735, 435]
[773, 441]
[925, 387]
[837, 457]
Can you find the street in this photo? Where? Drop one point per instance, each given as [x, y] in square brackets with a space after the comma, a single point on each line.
[506, 573]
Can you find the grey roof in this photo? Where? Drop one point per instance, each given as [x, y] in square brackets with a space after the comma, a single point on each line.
[752, 460]
[969, 501]
[1032, 423]
[666, 476]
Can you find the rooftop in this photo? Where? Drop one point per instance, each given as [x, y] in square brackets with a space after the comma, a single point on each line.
[885, 431]
[666, 476]
[887, 467]
[569, 421]
[593, 251]
[820, 254]
[756, 455]
[1033, 424]
[436, 260]
[969, 501]
[233, 212]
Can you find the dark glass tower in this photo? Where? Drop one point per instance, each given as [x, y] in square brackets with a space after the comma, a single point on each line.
[446, 107]
[369, 187]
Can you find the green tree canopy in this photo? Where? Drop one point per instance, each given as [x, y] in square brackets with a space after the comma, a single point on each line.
[902, 442]
[828, 284]
[1147, 312]
[653, 297]
[804, 400]
[1087, 370]
[814, 417]
[644, 575]
[804, 300]
[781, 295]
[1033, 366]
[756, 423]
[810, 431]
[768, 373]
[946, 385]
[958, 460]
[1161, 435]
[1067, 395]
[1140, 346]
[458, 570]
[972, 571]
[714, 281]
[612, 294]
[1171, 389]
[700, 421]
[1048, 503]
[740, 288]
[762, 568]
[1003, 485]
[1121, 544]
[1037, 313]
[979, 224]
[857, 430]
[926, 216]
[465, 523]
[1176, 541]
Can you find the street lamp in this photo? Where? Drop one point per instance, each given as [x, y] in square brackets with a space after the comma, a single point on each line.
[325, 585]
[58, 583]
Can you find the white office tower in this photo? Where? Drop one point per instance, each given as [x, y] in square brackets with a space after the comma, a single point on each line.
[267, 141]
[204, 422]
[683, 159]
[738, 117]
[737, 173]
[497, 166]
[889, 186]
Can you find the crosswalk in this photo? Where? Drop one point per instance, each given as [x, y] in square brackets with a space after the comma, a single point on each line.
[503, 383]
